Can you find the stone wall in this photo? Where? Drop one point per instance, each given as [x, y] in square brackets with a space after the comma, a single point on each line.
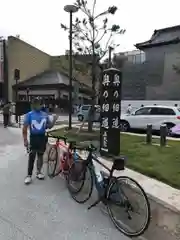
[155, 79]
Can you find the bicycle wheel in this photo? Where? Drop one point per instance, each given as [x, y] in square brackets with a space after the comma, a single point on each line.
[52, 161]
[126, 199]
[80, 181]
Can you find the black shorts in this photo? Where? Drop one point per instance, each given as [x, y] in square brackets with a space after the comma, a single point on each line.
[38, 143]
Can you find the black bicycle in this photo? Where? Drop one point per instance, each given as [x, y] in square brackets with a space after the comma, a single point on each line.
[125, 199]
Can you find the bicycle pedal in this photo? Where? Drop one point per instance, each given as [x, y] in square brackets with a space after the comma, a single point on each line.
[94, 204]
[90, 207]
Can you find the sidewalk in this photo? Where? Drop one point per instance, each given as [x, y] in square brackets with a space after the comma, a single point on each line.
[43, 210]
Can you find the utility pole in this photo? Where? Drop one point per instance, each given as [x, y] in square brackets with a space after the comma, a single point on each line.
[70, 9]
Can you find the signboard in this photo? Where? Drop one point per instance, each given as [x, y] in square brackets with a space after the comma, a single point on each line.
[110, 102]
[1, 61]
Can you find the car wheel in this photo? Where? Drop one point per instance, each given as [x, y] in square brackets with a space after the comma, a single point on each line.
[169, 126]
[124, 126]
[80, 118]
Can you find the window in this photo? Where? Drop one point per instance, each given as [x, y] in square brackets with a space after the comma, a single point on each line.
[85, 108]
[143, 111]
[138, 58]
[162, 111]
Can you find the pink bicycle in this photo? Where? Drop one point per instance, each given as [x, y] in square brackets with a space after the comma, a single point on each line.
[60, 164]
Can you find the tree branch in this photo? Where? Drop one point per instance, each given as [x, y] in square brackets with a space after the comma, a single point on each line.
[93, 9]
[84, 33]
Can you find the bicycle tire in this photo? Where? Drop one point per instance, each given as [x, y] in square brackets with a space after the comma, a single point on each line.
[147, 204]
[52, 173]
[76, 193]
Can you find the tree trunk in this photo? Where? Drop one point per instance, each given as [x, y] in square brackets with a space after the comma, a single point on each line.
[93, 72]
[93, 100]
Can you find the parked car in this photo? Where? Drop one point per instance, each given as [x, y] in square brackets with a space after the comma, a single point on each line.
[83, 111]
[175, 131]
[155, 115]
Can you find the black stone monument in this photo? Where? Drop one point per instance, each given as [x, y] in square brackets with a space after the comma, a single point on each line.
[110, 102]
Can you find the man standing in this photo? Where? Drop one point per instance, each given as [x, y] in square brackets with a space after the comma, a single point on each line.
[129, 109]
[6, 113]
[37, 121]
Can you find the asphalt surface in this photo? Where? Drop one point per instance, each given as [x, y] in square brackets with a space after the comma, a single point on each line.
[43, 210]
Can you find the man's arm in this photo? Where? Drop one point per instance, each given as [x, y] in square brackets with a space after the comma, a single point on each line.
[25, 129]
[51, 123]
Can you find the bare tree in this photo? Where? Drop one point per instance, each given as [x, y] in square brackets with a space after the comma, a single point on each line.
[93, 35]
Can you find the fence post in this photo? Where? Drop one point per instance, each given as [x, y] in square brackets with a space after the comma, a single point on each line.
[163, 134]
[149, 134]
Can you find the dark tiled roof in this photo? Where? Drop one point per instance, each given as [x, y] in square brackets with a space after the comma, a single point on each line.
[45, 78]
[164, 36]
[49, 78]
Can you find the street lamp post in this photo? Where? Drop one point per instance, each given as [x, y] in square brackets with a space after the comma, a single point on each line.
[70, 9]
[27, 91]
[16, 78]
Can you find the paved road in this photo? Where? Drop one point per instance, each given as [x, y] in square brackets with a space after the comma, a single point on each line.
[44, 209]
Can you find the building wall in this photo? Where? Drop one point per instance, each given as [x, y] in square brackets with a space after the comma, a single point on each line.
[170, 85]
[159, 52]
[167, 87]
[155, 79]
[28, 59]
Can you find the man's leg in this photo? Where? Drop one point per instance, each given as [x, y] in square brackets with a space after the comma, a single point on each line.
[40, 154]
[32, 156]
[40, 175]
[5, 120]
[8, 119]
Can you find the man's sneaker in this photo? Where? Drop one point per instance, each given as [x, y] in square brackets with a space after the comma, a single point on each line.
[40, 176]
[28, 180]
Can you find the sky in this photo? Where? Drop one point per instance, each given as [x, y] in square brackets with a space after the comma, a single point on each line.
[38, 21]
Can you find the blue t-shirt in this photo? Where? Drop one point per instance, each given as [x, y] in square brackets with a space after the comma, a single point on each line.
[37, 121]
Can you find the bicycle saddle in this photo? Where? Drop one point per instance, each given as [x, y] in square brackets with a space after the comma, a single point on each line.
[118, 163]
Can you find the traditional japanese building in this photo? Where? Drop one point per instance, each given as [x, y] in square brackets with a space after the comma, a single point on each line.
[161, 73]
[157, 77]
[39, 69]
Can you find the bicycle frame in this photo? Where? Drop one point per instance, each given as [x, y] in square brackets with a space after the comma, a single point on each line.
[62, 144]
[99, 187]
[102, 188]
